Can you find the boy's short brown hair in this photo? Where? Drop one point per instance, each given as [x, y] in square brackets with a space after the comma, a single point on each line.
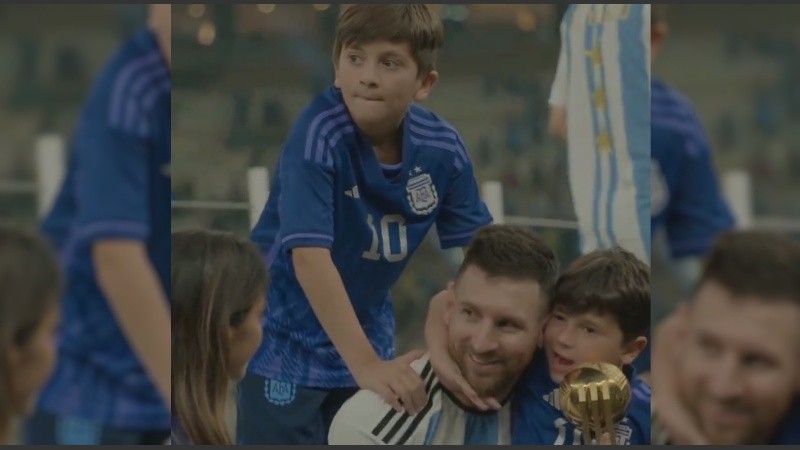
[413, 24]
[513, 252]
[611, 282]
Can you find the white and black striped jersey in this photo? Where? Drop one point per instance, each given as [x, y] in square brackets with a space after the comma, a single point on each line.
[366, 419]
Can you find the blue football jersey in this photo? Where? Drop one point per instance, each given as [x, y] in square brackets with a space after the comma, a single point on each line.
[537, 416]
[686, 198]
[331, 191]
[117, 186]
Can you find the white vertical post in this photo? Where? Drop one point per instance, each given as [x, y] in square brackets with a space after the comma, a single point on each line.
[738, 191]
[50, 162]
[492, 194]
[257, 192]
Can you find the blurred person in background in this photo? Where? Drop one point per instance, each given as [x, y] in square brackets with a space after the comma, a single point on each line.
[600, 108]
[111, 225]
[727, 364]
[30, 284]
[687, 204]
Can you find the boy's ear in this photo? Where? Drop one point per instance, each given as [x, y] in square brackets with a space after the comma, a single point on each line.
[632, 349]
[426, 85]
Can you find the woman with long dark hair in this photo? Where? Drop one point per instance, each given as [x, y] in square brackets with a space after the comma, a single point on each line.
[218, 286]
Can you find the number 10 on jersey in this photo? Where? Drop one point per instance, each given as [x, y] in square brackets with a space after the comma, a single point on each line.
[382, 243]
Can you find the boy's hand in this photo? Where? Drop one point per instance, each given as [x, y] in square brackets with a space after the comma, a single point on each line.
[395, 381]
[451, 378]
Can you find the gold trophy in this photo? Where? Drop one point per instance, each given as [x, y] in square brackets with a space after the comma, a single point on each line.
[594, 397]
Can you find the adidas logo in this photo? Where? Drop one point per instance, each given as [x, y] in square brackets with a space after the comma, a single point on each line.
[353, 193]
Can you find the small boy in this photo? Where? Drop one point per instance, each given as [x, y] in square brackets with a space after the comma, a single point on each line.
[363, 176]
[600, 312]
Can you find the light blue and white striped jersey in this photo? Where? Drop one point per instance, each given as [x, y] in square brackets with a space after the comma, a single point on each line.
[366, 419]
[603, 81]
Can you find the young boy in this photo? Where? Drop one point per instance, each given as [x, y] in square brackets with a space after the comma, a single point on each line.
[363, 176]
[600, 312]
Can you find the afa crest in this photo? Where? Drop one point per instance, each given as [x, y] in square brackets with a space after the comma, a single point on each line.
[279, 393]
[422, 194]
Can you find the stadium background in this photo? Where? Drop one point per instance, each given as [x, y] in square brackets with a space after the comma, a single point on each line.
[243, 72]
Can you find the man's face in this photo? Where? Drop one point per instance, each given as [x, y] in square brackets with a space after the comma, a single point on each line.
[492, 329]
[379, 82]
[741, 365]
[574, 339]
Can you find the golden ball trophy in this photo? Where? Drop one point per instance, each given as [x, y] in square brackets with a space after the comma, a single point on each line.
[594, 397]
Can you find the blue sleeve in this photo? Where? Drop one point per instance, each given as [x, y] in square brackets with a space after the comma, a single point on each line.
[305, 204]
[112, 188]
[697, 212]
[463, 211]
[639, 413]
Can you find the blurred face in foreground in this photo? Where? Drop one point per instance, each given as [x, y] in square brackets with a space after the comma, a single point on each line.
[741, 364]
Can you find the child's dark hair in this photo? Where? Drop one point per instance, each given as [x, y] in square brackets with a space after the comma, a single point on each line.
[411, 23]
[30, 283]
[611, 282]
[217, 279]
[514, 252]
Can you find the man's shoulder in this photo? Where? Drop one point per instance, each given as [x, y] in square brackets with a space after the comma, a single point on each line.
[365, 417]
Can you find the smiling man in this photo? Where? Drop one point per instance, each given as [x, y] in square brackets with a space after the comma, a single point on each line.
[500, 301]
